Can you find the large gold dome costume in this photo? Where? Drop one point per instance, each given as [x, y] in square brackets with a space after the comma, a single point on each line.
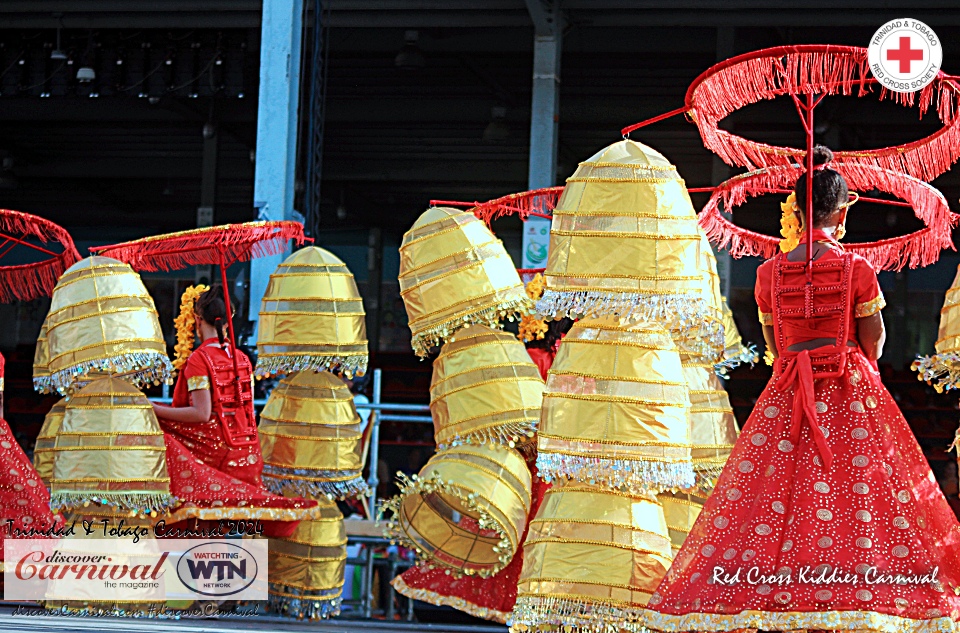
[454, 272]
[942, 370]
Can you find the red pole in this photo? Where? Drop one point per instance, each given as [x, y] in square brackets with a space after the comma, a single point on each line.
[809, 205]
[233, 338]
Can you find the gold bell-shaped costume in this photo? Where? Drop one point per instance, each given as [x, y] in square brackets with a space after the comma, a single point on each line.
[615, 409]
[624, 241]
[44, 449]
[466, 510]
[942, 370]
[310, 435]
[735, 352]
[713, 426]
[454, 271]
[309, 565]
[110, 450]
[485, 388]
[312, 317]
[102, 319]
[591, 560]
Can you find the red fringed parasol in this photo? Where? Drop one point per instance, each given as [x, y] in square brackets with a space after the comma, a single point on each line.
[210, 246]
[25, 282]
[822, 70]
[920, 248]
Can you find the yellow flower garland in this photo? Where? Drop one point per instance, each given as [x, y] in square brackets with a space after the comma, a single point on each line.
[531, 328]
[185, 323]
[790, 224]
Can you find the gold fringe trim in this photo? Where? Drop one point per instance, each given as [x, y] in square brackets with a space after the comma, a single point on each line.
[510, 308]
[860, 621]
[440, 600]
[245, 513]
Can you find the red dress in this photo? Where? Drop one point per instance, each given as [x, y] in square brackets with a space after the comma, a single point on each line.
[489, 598]
[826, 496]
[215, 466]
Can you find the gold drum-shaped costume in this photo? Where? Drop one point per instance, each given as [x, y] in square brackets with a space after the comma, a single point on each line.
[43, 450]
[615, 409]
[466, 510]
[102, 319]
[713, 426]
[454, 271]
[311, 317]
[306, 569]
[591, 560]
[110, 450]
[624, 241]
[942, 370]
[485, 388]
[310, 435]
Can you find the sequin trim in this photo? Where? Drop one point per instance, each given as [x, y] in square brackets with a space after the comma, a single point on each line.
[869, 308]
[440, 600]
[636, 475]
[269, 365]
[195, 383]
[861, 621]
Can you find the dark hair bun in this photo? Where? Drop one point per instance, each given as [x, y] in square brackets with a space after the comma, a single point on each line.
[821, 155]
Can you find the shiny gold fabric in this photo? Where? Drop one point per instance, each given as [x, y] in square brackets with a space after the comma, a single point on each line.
[311, 439]
[306, 570]
[735, 352]
[453, 272]
[311, 317]
[591, 559]
[700, 341]
[43, 451]
[713, 427]
[615, 409]
[41, 362]
[624, 241]
[485, 388]
[942, 370]
[110, 449]
[103, 319]
[466, 510]
[680, 511]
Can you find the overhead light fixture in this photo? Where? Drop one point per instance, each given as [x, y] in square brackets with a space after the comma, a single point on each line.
[410, 56]
[57, 53]
[85, 74]
[497, 130]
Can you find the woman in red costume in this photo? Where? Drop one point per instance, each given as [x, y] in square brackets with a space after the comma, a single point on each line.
[489, 598]
[827, 515]
[213, 449]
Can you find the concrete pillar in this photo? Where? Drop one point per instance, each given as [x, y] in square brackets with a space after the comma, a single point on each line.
[276, 159]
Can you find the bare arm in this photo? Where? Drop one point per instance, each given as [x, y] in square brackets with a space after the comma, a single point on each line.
[198, 412]
[770, 340]
[872, 335]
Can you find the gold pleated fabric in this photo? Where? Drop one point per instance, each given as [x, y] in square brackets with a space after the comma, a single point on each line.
[624, 241]
[311, 317]
[942, 370]
[41, 362]
[615, 409]
[735, 352]
[700, 342]
[311, 439]
[713, 426]
[306, 570]
[680, 511]
[44, 449]
[591, 560]
[466, 510]
[103, 319]
[453, 272]
[110, 450]
[485, 388]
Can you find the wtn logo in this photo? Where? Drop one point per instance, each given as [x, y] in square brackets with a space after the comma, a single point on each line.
[225, 569]
[217, 568]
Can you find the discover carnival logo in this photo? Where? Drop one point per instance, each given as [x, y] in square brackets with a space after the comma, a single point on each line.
[122, 570]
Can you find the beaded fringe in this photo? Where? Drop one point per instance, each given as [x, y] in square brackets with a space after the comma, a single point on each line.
[426, 486]
[138, 503]
[350, 366]
[313, 483]
[301, 604]
[940, 370]
[441, 600]
[139, 368]
[635, 475]
[672, 311]
[536, 614]
[513, 435]
[509, 308]
[746, 354]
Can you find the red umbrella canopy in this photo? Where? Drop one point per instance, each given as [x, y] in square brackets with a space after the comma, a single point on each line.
[32, 238]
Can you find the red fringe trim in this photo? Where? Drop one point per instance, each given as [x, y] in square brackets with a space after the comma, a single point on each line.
[536, 201]
[913, 250]
[206, 246]
[25, 282]
[821, 69]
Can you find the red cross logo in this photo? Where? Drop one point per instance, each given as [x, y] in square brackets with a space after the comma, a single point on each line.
[905, 55]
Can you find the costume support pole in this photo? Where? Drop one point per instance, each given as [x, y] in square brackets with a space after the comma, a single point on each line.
[233, 339]
[808, 124]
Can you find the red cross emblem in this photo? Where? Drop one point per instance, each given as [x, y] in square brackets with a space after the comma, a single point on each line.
[905, 55]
